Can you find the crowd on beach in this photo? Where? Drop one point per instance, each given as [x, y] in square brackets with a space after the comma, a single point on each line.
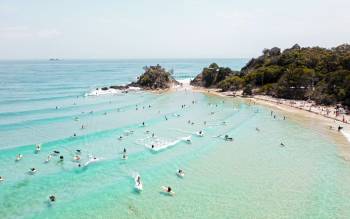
[333, 112]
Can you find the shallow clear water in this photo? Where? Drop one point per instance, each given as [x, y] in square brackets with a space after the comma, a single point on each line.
[251, 177]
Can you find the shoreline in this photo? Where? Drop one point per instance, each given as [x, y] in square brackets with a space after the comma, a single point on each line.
[300, 113]
[307, 111]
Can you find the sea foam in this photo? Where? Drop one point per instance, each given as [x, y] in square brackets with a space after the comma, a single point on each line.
[99, 92]
[346, 134]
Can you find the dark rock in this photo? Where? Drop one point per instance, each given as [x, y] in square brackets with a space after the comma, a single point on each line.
[296, 47]
[155, 77]
[275, 51]
[119, 87]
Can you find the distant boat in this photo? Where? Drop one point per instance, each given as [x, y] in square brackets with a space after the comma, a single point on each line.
[54, 59]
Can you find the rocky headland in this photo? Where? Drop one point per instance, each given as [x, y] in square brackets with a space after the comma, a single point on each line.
[299, 73]
[153, 78]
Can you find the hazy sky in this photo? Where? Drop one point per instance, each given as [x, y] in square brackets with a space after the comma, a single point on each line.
[167, 28]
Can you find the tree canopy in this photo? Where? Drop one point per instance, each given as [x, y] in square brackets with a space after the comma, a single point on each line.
[314, 73]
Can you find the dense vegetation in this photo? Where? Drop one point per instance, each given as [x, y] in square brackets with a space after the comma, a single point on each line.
[155, 77]
[212, 76]
[313, 73]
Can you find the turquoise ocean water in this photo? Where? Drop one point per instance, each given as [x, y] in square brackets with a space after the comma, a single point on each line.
[251, 177]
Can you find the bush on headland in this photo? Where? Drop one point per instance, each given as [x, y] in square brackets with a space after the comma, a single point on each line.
[212, 75]
[315, 73]
[155, 77]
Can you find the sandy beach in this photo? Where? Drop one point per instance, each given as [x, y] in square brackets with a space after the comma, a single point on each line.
[324, 119]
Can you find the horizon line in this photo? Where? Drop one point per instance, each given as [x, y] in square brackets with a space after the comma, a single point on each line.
[71, 59]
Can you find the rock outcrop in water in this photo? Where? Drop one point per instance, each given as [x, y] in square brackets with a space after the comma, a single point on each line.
[302, 73]
[155, 77]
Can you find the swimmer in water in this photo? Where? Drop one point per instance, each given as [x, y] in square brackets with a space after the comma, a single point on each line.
[138, 180]
[52, 198]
